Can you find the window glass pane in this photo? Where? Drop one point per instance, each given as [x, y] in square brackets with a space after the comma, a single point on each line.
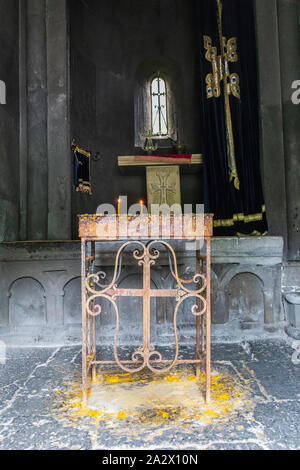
[155, 85]
[159, 107]
[163, 110]
[162, 86]
[155, 115]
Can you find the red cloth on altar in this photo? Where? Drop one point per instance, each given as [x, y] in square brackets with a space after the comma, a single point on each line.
[171, 156]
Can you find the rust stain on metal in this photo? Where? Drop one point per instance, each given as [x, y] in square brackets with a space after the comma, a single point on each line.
[93, 228]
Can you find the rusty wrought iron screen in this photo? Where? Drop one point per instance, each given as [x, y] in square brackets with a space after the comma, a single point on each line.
[136, 233]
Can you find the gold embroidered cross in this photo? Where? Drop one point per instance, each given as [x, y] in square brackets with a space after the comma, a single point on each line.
[220, 71]
[220, 68]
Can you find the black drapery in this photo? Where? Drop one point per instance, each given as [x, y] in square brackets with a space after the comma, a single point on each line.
[230, 115]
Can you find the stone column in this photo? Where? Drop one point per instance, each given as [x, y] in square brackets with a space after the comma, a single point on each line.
[37, 165]
[289, 42]
[23, 136]
[9, 122]
[270, 106]
[221, 314]
[45, 178]
[268, 306]
[55, 309]
[59, 153]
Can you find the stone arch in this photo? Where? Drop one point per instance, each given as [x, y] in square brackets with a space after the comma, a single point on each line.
[226, 278]
[27, 303]
[245, 299]
[266, 277]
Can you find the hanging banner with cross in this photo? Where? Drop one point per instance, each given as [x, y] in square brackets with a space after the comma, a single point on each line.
[230, 108]
[221, 73]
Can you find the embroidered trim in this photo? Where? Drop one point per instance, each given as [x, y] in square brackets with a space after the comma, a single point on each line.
[240, 218]
[87, 183]
[80, 150]
[255, 233]
[83, 186]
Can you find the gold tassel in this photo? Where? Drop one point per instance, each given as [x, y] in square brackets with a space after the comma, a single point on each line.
[236, 181]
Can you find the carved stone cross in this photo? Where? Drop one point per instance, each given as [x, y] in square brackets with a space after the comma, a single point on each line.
[163, 187]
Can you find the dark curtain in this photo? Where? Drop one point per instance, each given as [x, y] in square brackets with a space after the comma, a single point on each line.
[231, 122]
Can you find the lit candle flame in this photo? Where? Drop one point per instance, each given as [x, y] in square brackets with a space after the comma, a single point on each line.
[119, 202]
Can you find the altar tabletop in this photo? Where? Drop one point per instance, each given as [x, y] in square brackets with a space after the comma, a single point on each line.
[120, 227]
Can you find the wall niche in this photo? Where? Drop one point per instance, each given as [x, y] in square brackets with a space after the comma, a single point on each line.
[114, 48]
[27, 303]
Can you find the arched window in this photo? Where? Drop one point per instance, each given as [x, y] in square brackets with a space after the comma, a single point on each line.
[156, 97]
[159, 112]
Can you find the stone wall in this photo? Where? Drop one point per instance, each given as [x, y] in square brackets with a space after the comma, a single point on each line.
[112, 45]
[107, 53]
[39, 282]
[45, 159]
[40, 294]
[9, 121]
[278, 37]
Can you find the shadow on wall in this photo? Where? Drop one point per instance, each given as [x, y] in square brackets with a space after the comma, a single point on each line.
[27, 303]
[72, 302]
[245, 300]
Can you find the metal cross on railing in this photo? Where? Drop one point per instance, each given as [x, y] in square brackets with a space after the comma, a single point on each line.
[146, 255]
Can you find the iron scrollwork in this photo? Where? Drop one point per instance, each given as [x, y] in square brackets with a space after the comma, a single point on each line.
[146, 255]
